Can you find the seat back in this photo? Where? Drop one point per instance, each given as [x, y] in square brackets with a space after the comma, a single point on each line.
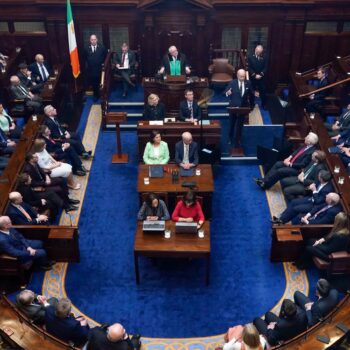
[340, 263]
[221, 65]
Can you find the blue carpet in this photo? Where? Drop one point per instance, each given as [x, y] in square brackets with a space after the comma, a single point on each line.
[172, 300]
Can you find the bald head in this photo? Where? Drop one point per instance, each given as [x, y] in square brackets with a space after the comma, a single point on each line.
[115, 332]
[259, 50]
[173, 51]
[39, 58]
[14, 80]
[186, 137]
[15, 197]
[93, 40]
[241, 74]
[332, 198]
[5, 222]
[311, 139]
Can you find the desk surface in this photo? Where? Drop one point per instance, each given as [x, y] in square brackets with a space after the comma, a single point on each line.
[153, 244]
[205, 182]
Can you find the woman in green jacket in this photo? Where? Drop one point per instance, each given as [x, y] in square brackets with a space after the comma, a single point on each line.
[156, 151]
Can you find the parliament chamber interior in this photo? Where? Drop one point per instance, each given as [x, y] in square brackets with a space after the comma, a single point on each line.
[174, 174]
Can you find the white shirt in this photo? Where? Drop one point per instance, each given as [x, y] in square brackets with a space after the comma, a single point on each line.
[241, 87]
[126, 60]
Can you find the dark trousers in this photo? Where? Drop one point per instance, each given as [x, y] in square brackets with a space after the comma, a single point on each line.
[125, 73]
[235, 129]
[261, 325]
[71, 156]
[295, 208]
[301, 299]
[40, 256]
[259, 85]
[278, 172]
[76, 143]
[94, 81]
[292, 188]
[314, 106]
[310, 251]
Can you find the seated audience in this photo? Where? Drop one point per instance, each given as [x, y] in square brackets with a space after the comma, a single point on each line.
[62, 151]
[28, 251]
[48, 163]
[156, 150]
[337, 240]
[341, 124]
[327, 299]
[244, 338]
[34, 305]
[186, 152]
[154, 110]
[40, 69]
[61, 323]
[295, 186]
[153, 208]
[3, 61]
[20, 92]
[291, 165]
[317, 100]
[61, 134]
[7, 146]
[25, 76]
[189, 210]
[323, 214]
[8, 126]
[112, 337]
[42, 182]
[290, 322]
[303, 205]
[189, 109]
[22, 213]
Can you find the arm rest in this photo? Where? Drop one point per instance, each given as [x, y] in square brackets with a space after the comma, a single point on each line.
[7, 257]
[291, 125]
[340, 255]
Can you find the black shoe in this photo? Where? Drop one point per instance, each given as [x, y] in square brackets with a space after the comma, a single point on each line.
[260, 183]
[86, 155]
[45, 267]
[277, 221]
[71, 208]
[84, 169]
[73, 201]
[51, 262]
[79, 173]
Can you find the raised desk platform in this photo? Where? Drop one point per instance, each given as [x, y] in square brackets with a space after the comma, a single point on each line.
[171, 133]
[182, 245]
[205, 185]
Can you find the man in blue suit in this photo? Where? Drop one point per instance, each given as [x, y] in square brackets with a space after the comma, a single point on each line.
[62, 324]
[317, 100]
[298, 206]
[40, 69]
[186, 152]
[241, 95]
[189, 109]
[14, 244]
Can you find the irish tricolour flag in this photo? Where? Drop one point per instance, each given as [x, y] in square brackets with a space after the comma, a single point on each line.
[73, 50]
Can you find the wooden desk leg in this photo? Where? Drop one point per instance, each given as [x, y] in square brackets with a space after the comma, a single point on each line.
[137, 272]
[208, 270]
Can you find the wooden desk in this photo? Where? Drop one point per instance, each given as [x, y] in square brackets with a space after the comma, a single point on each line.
[177, 246]
[171, 94]
[171, 133]
[205, 185]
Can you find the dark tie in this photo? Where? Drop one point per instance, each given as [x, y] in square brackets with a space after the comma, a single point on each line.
[190, 108]
[38, 172]
[241, 88]
[42, 71]
[123, 59]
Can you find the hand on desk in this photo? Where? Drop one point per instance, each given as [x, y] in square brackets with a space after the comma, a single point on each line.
[152, 218]
[186, 219]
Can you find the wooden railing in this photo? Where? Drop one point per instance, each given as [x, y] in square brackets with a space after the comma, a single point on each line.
[237, 58]
[105, 84]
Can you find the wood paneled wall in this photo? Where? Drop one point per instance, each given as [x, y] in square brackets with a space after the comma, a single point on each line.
[188, 26]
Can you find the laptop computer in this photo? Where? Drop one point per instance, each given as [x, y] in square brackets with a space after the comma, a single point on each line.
[186, 172]
[153, 226]
[186, 227]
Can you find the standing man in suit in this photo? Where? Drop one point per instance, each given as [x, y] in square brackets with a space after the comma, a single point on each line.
[291, 165]
[257, 65]
[125, 61]
[40, 69]
[317, 100]
[20, 92]
[174, 63]
[95, 55]
[327, 299]
[25, 76]
[186, 152]
[241, 95]
[27, 251]
[290, 322]
[34, 305]
[189, 109]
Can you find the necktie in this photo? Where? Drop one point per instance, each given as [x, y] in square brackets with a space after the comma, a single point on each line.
[186, 158]
[241, 88]
[297, 155]
[308, 171]
[42, 71]
[191, 109]
[319, 212]
[24, 90]
[123, 60]
[24, 212]
[58, 126]
[52, 140]
[93, 49]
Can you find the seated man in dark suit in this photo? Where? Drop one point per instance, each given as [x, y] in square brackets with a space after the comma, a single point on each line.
[189, 109]
[298, 206]
[34, 305]
[7, 146]
[20, 92]
[113, 337]
[341, 124]
[186, 152]
[27, 251]
[291, 165]
[295, 186]
[174, 63]
[25, 76]
[22, 213]
[315, 311]
[125, 61]
[62, 324]
[61, 134]
[290, 322]
[40, 69]
[317, 100]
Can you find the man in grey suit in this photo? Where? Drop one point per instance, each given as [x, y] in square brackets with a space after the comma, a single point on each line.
[34, 305]
[20, 92]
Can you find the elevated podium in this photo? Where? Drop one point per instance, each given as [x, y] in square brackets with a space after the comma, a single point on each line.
[117, 118]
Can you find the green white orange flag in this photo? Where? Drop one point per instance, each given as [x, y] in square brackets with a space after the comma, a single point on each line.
[73, 50]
